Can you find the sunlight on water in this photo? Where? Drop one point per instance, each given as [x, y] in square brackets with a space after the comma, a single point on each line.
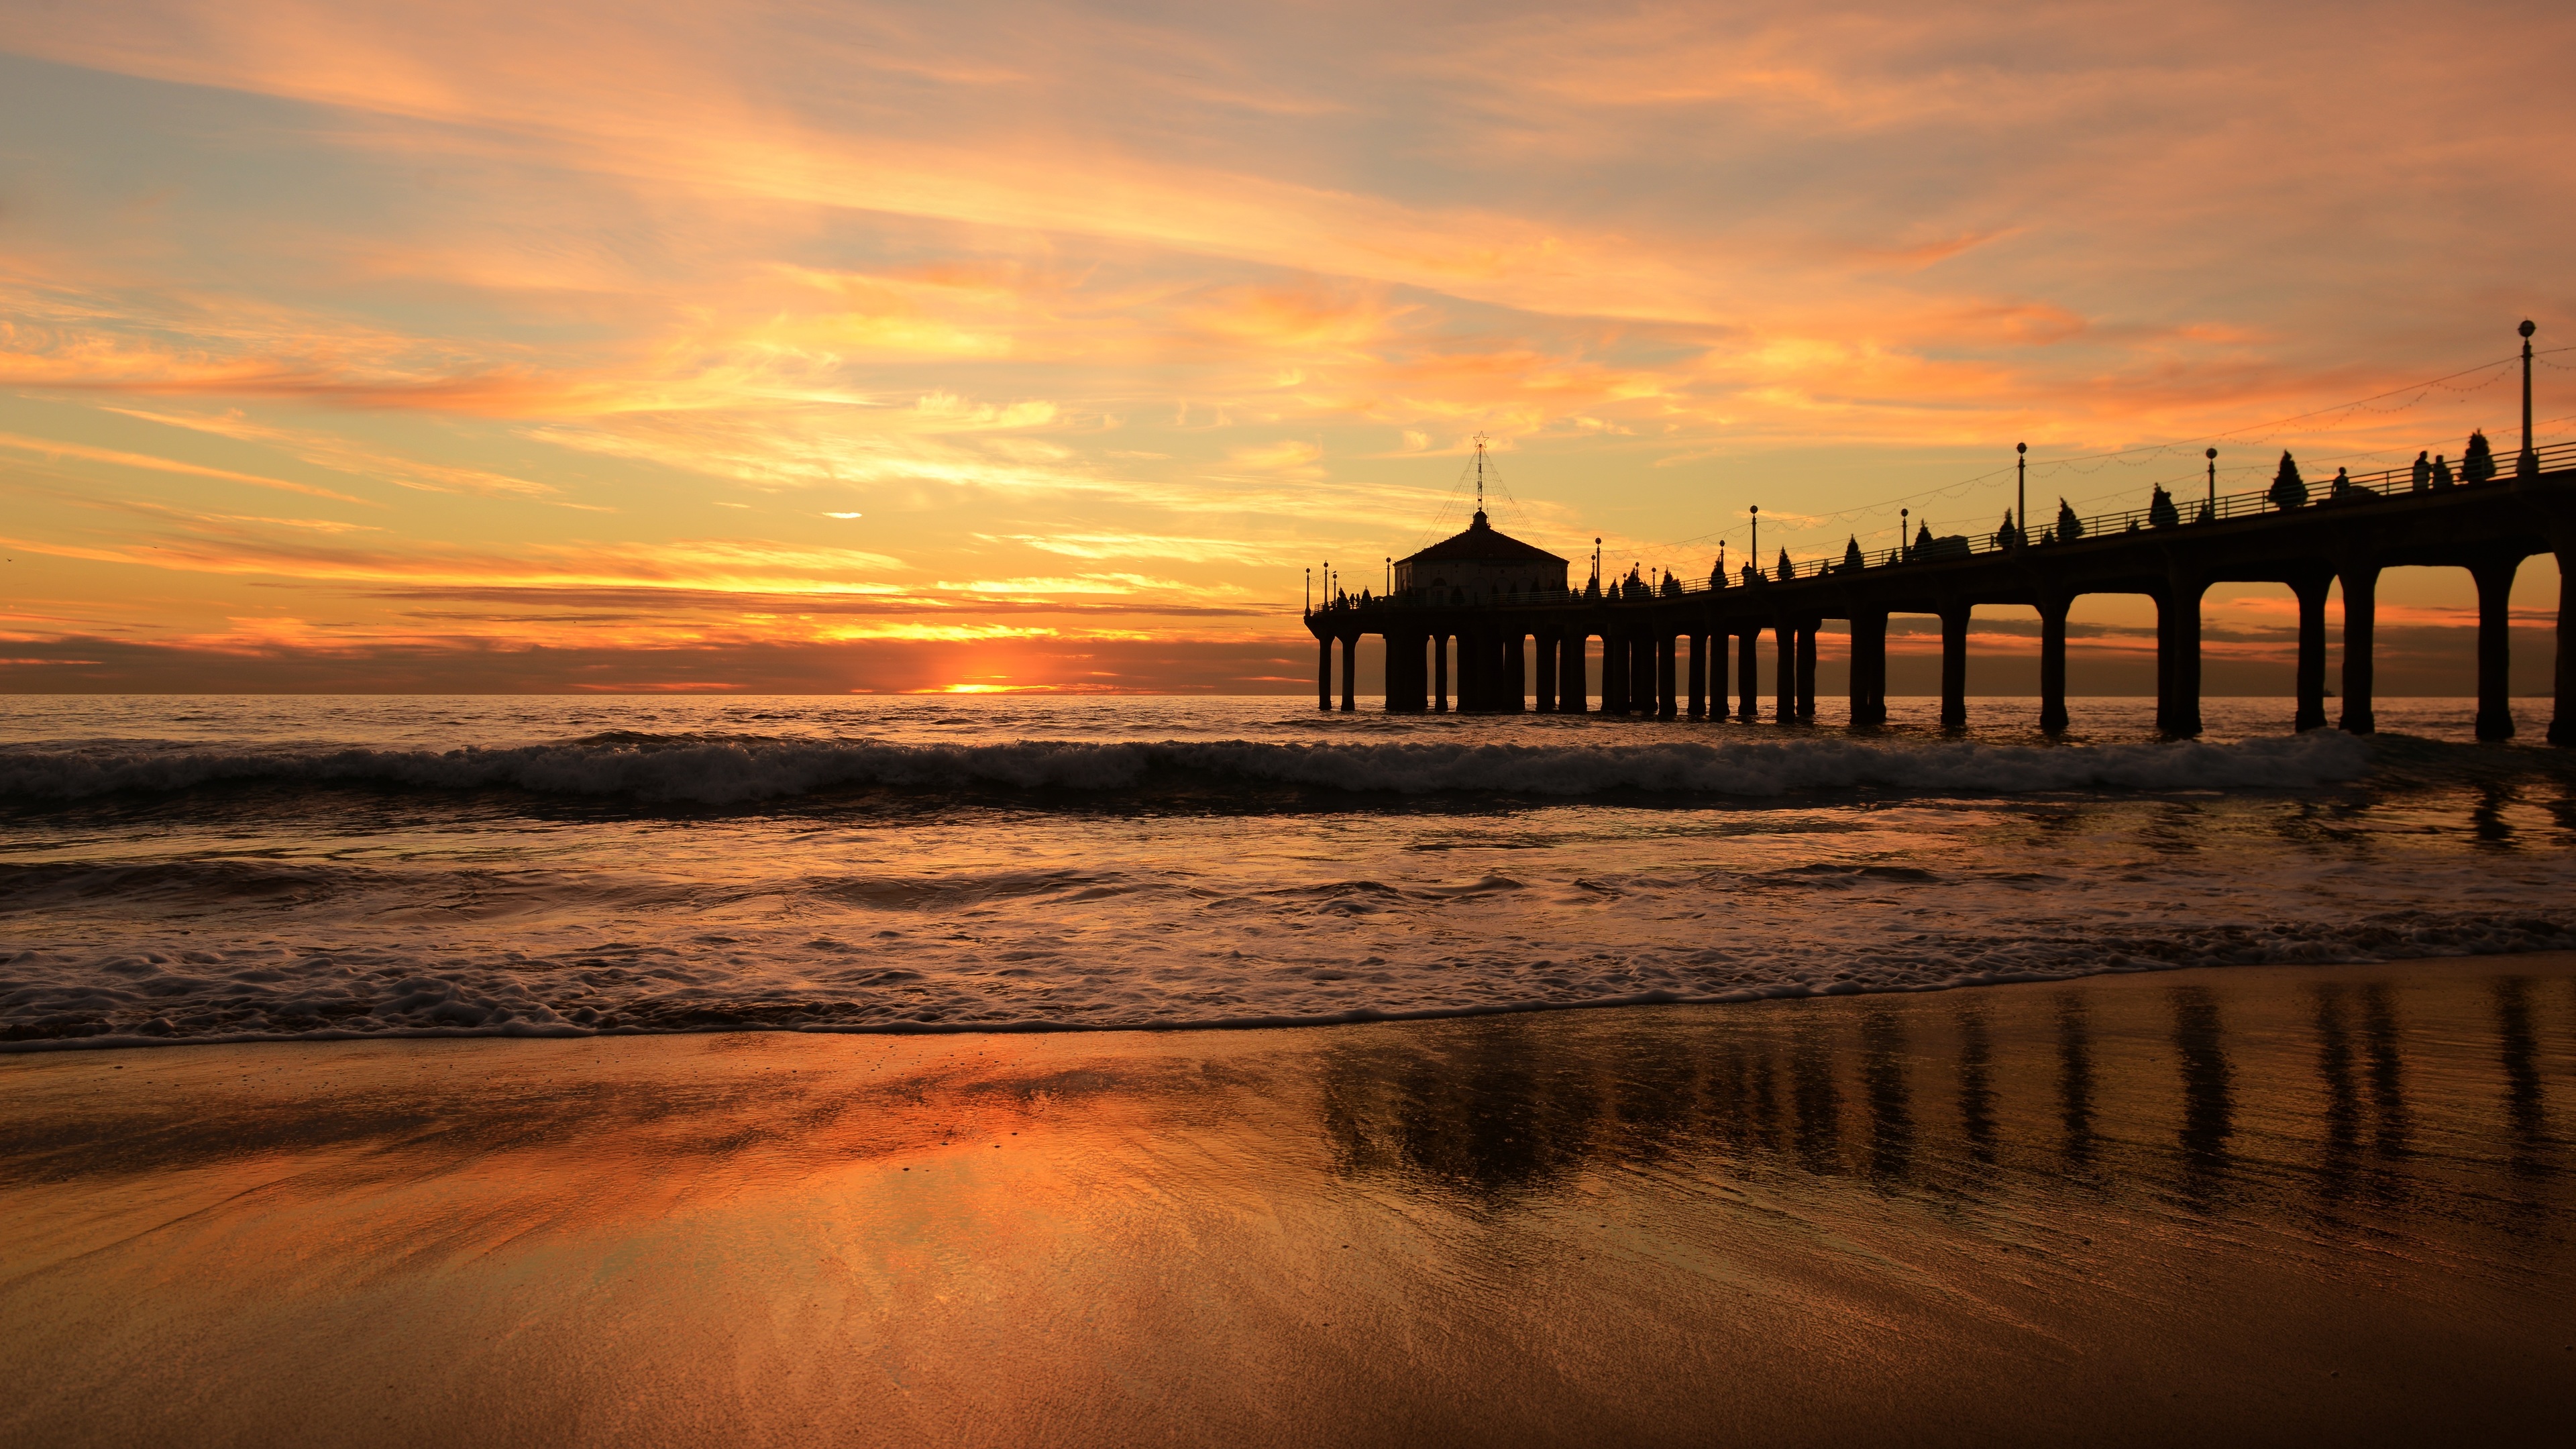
[197, 867]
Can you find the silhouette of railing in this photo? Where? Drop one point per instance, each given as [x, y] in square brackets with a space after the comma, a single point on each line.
[2359, 490]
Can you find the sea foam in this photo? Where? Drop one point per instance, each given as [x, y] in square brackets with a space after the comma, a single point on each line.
[739, 769]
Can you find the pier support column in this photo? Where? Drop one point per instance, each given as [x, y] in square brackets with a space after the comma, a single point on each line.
[2562, 713]
[1699, 675]
[1748, 676]
[1807, 630]
[2052, 665]
[1514, 674]
[1614, 672]
[1543, 698]
[2183, 593]
[2311, 591]
[1784, 677]
[1573, 689]
[2360, 622]
[1350, 674]
[1440, 673]
[1954, 666]
[1641, 676]
[1324, 672]
[1869, 666]
[1667, 692]
[2495, 646]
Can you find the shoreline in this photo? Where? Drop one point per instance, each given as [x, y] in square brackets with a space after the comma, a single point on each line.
[1363, 1017]
[2259, 1203]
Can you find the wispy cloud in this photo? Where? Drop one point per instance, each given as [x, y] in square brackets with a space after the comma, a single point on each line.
[55, 448]
[1094, 308]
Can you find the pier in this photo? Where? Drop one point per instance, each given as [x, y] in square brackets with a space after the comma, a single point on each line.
[1670, 649]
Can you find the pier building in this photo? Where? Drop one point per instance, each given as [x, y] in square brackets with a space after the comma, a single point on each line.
[1479, 566]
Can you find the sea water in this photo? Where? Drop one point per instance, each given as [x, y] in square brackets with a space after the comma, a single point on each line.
[200, 868]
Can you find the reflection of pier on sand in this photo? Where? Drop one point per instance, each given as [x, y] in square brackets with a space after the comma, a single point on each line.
[2268, 1205]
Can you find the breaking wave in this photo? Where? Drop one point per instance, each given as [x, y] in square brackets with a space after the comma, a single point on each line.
[733, 770]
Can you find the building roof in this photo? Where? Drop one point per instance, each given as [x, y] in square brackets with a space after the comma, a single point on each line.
[1481, 544]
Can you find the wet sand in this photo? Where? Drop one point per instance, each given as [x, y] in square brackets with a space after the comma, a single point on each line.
[2252, 1205]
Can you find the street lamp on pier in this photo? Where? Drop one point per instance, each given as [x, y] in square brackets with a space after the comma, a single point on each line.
[2211, 511]
[2021, 493]
[2528, 465]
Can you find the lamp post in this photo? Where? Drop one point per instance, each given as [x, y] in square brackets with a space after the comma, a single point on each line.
[1904, 533]
[2528, 465]
[2021, 493]
[2212, 506]
[1310, 591]
[1755, 553]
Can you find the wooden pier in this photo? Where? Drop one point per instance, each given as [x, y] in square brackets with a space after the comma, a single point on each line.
[1669, 650]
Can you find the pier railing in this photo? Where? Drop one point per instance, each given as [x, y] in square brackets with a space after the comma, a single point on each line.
[2356, 490]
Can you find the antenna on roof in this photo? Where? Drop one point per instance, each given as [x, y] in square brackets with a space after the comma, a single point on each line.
[1480, 475]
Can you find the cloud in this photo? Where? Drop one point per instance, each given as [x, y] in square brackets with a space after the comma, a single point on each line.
[342, 454]
[1115, 287]
[54, 448]
[1075, 584]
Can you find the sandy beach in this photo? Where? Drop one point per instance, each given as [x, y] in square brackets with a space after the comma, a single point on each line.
[2250, 1205]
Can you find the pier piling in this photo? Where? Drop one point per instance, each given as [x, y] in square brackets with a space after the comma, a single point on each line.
[2495, 645]
[2311, 589]
[1954, 666]
[2360, 622]
[2052, 664]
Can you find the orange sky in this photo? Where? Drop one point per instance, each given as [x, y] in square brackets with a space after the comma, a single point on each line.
[788, 346]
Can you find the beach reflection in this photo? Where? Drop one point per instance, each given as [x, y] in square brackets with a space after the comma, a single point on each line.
[2075, 1077]
[2196, 1094]
[1976, 1085]
[2525, 1110]
[1222, 1227]
[2209, 1104]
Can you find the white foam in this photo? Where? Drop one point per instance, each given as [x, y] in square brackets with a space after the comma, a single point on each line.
[737, 771]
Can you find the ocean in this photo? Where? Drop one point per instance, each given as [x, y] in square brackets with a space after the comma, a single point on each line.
[265, 867]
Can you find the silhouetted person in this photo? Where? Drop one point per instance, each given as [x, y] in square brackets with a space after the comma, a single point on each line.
[2423, 473]
[2288, 490]
[2477, 465]
[2441, 474]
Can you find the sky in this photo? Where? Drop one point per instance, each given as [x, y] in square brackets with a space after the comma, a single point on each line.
[784, 347]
